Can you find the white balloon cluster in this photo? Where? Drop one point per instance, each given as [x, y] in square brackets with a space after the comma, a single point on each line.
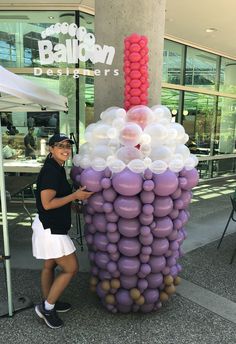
[140, 138]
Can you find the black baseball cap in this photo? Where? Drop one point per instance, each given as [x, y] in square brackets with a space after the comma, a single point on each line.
[59, 138]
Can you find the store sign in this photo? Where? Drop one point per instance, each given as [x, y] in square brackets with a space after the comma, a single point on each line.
[80, 47]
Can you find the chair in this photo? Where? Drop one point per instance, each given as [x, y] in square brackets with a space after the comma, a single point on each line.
[231, 217]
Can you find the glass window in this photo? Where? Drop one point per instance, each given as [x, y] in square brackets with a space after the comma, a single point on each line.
[200, 69]
[19, 35]
[228, 75]
[172, 62]
[86, 20]
[86, 104]
[225, 135]
[170, 98]
[197, 117]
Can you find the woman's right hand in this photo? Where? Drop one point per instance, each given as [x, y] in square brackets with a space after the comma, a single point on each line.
[82, 195]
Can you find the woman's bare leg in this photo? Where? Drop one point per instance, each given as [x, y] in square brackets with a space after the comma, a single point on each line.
[70, 267]
[47, 276]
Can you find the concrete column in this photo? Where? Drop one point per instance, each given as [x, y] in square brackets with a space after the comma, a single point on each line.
[114, 20]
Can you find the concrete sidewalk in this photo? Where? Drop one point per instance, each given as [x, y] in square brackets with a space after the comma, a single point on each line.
[203, 310]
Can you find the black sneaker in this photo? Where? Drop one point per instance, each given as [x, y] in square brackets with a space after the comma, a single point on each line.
[50, 317]
[62, 307]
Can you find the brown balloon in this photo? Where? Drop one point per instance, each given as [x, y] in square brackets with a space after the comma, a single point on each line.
[110, 299]
[135, 293]
[105, 285]
[115, 283]
[170, 289]
[163, 296]
[168, 280]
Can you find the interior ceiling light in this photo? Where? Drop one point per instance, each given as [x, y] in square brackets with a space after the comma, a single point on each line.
[211, 29]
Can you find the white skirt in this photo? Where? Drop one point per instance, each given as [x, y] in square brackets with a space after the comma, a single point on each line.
[49, 246]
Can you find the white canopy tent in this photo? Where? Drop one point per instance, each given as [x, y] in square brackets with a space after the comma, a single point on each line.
[18, 95]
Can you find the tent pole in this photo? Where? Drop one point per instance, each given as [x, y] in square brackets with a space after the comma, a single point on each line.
[5, 230]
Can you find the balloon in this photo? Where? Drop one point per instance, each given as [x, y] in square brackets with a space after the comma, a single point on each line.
[112, 113]
[159, 246]
[98, 164]
[157, 132]
[160, 153]
[145, 231]
[75, 170]
[123, 297]
[164, 227]
[145, 219]
[161, 114]
[113, 237]
[137, 166]
[148, 185]
[112, 217]
[127, 207]
[101, 259]
[99, 222]
[130, 135]
[129, 247]
[142, 284]
[165, 183]
[163, 205]
[192, 179]
[109, 195]
[151, 295]
[154, 280]
[116, 165]
[127, 183]
[146, 240]
[147, 197]
[127, 154]
[157, 263]
[128, 227]
[128, 265]
[91, 179]
[158, 166]
[100, 151]
[96, 202]
[140, 114]
[100, 241]
[107, 207]
[128, 282]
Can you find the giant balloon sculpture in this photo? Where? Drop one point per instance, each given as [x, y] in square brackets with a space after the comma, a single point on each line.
[136, 162]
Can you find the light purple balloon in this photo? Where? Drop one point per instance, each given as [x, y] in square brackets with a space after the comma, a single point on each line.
[159, 246]
[128, 227]
[147, 209]
[111, 248]
[129, 247]
[111, 267]
[142, 284]
[173, 235]
[96, 202]
[174, 214]
[104, 274]
[107, 207]
[107, 172]
[89, 239]
[147, 239]
[147, 197]
[100, 241]
[176, 194]
[170, 261]
[164, 227]
[91, 228]
[106, 183]
[123, 297]
[183, 216]
[147, 174]
[174, 245]
[115, 256]
[145, 269]
[154, 280]
[147, 307]
[166, 270]
[173, 271]
[177, 223]
[162, 206]
[75, 170]
[145, 219]
[157, 263]
[183, 182]
[165, 183]
[192, 179]
[101, 293]
[146, 250]
[101, 259]
[151, 295]
[112, 217]
[111, 227]
[148, 185]
[94, 270]
[88, 219]
[145, 231]
[89, 210]
[128, 265]
[178, 204]
[113, 237]
[128, 282]
[144, 258]
[127, 183]
[91, 179]
[99, 222]
[127, 207]
[109, 195]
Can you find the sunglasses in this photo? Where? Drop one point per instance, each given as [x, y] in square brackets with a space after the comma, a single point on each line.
[63, 146]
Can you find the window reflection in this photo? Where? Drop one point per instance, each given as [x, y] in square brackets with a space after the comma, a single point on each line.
[172, 61]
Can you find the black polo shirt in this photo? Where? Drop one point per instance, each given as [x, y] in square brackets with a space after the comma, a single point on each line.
[53, 176]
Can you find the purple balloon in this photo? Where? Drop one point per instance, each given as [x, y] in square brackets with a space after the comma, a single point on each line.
[111, 248]
[166, 270]
[94, 270]
[113, 237]
[101, 259]
[88, 219]
[174, 214]
[178, 204]
[96, 202]
[115, 256]
[123, 297]
[75, 170]
[124, 308]
[128, 265]
[146, 240]
[177, 223]
[89, 210]
[145, 219]
[151, 295]
[162, 206]
[111, 227]
[159, 246]
[101, 293]
[128, 282]
[142, 284]
[107, 207]
[147, 197]
[127, 183]
[128, 227]
[89, 239]
[192, 179]
[129, 247]
[148, 185]
[165, 183]
[109, 195]
[127, 207]
[100, 241]
[106, 183]
[104, 274]
[174, 245]
[91, 179]
[145, 231]
[144, 258]
[173, 235]
[147, 307]
[176, 194]
[145, 269]
[99, 222]
[157, 263]
[170, 261]
[164, 227]
[155, 280]
[112, 217]
[183, 216]
[111, 267]
[107, 172]
[147, 209]
[146, 250]
[183, 182]
[147, 174]
[174, 271]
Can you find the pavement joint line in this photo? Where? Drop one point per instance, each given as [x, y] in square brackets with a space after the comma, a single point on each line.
[205, 298]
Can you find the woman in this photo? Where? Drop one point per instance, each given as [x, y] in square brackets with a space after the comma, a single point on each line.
[50, 240]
